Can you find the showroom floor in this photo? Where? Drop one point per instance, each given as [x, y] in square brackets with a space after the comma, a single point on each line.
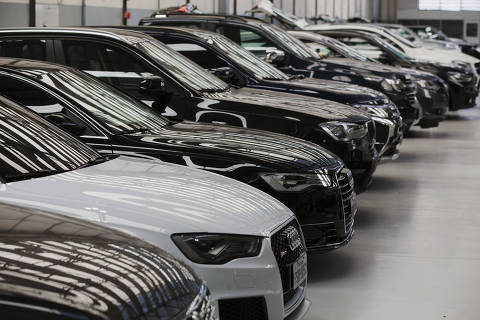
[416, 253]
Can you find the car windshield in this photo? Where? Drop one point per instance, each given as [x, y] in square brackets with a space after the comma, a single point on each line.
[392, 49]
[246, 59]
[117, 110]
[347, 49]
[400, 39]
[296, 46]
[32, 147]
[181, 68]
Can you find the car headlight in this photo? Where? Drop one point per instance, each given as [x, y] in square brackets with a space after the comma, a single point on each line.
[456, 76]
[290, 182]
[344, 131]
[206, 248]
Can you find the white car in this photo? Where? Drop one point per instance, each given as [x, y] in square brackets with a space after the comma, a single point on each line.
[244, 243]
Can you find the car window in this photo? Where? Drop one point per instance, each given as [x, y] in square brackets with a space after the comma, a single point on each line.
[196, 53]
[322, 50]
[255, 43]
[34, 49]
[42, 103]
[108, 63]
[30, 146]
[363, 46]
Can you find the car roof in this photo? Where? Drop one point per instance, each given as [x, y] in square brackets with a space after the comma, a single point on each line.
[126, 36]
[210, 17]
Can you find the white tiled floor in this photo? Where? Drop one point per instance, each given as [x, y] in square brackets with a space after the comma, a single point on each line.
[416, 253]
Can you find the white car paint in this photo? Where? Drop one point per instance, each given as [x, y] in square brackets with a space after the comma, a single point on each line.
[153, 200]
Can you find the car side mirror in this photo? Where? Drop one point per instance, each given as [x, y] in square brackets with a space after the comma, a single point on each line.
[66, 123]
[153, 85]
[227, 74]
[275, 56]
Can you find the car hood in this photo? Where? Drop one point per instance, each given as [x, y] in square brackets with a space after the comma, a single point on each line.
[336, 90]
[440, 55]
[145, 196]
[288, 104]
[88, 267]
[239, 145]
[363, 66]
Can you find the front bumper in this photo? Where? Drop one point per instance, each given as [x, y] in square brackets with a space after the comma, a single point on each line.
[251, 288]
[462, 95]
[434, 101]
[409, 107]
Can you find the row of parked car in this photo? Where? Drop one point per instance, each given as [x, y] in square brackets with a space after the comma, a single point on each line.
[264, 136]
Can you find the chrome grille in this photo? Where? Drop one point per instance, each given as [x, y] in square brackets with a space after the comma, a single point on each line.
[286, 257]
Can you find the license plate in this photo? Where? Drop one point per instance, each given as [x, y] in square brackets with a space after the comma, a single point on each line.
[299, 270]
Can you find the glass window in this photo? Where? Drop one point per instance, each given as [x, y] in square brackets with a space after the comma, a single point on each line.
[363, 46]
[108, 63]
[30, 146]
[196, 53]
[255, 43]
[43, 104]
[27, 49]
[322, 50]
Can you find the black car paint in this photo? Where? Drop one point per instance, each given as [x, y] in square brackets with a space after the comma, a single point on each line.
[56, 267]
[239, 153]
[389, 133]
[252, 108]
[433, 98]
[295, 64]
[460, 95]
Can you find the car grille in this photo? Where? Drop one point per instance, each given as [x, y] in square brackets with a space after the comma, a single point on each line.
[349, 208]
[201, 307]
[253, 308]
[331, 234]
[286, 257]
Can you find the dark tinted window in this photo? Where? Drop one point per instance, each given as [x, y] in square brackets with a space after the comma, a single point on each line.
[108, 63]
[43, 104]
[31, 146]
[27, 49]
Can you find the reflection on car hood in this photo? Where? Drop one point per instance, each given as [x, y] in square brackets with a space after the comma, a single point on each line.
[53, 261]
[288, 104]
[270, 150]
[363, 66]
[349, 93]
[137, 194]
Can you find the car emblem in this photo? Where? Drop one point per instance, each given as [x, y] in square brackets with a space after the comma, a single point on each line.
[293, 238]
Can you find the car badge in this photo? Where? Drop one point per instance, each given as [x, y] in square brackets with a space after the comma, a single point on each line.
[293, 238]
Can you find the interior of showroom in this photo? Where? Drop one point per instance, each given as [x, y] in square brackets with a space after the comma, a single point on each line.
[239, 159]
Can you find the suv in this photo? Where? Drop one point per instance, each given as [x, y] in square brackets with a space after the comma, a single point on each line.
[245, 244]
[293, 57]
[180, 89]
[237, 66]
[61, 268]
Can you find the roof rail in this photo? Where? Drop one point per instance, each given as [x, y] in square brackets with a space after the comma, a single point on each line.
[217, 15]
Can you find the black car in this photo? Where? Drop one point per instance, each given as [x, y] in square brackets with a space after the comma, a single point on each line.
[239, 67]
[432, 91]
[459, 81]
[53, 267]
[180, 89]
[431, 33]
[309, 180]
[290, 55]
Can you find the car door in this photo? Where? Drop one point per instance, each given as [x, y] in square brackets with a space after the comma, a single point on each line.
[55, 109]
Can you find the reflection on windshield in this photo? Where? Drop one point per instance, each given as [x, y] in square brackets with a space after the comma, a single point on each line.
[29, 145]
[297, 47]
[349, 50]
[260, 68]
[392, 49]
[399, 38]
[181, 68]
[111, 106]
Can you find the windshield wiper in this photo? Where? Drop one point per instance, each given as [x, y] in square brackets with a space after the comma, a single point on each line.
[30, 175]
